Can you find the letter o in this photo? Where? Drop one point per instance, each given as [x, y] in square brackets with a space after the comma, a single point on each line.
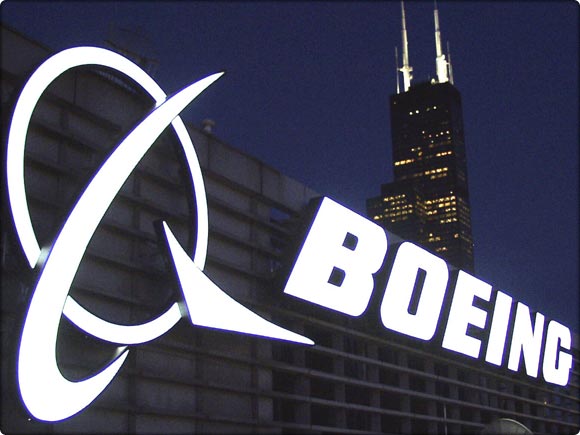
[395, 313]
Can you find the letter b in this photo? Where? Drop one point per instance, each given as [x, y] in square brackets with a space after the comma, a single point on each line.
[336, 264]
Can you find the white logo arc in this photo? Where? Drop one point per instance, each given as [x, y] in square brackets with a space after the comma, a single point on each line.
[45, 392]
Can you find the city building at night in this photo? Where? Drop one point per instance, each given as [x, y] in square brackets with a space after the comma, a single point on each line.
[428, 201]
[332, 371]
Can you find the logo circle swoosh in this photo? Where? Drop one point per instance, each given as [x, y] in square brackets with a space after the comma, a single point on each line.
[46, 393]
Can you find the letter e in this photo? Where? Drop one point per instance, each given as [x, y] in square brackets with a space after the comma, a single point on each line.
[463, 314]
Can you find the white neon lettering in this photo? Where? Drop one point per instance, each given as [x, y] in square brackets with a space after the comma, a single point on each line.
[557, 364]
[463, 314]
[326, 251]
[527, 340]
[46, 393]
[499, 329]
[395, 313]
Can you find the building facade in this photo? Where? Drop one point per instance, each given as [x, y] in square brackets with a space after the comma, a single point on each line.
[428, 201]
[357, 378]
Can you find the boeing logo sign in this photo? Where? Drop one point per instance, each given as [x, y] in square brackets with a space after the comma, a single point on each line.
[45, 392]
[336, 268]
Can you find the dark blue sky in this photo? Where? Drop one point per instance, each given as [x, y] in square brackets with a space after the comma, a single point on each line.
[307, 90]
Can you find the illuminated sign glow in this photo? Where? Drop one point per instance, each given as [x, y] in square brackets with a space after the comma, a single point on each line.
[420, 278]
[46, 393]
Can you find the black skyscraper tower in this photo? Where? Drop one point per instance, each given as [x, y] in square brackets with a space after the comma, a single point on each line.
[428, 202]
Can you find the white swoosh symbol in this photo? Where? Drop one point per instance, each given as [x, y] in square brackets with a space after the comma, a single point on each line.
[45, 392]
[38, 373]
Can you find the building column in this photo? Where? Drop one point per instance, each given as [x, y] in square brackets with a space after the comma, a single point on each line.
[375, 395]
[406, 424]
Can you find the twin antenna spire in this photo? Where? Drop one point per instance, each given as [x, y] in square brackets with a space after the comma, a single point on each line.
[443, 66]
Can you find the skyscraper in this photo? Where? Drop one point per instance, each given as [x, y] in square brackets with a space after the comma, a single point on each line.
[428, 202]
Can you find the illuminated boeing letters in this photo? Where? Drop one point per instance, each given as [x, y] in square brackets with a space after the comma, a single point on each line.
[327, 251]
[338, 267]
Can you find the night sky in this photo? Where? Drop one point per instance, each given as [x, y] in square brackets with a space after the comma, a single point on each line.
[307, 87]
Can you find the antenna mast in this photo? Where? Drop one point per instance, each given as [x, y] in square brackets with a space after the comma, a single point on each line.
[440, 62]
[449, 63]
[405, 69]
[397, 69]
